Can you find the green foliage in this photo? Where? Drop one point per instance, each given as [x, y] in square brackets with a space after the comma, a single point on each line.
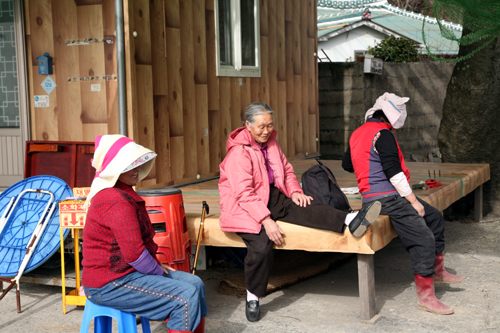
[479, 17]
[393, 49]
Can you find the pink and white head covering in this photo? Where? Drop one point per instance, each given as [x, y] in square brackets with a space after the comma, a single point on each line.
[114, 155]
[394, 108]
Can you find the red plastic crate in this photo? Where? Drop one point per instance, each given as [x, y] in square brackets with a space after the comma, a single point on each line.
[70, 161]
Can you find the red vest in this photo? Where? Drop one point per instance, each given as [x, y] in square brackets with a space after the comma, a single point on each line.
[372, 181]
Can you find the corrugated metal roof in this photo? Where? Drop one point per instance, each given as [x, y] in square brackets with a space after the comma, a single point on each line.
[334, 15]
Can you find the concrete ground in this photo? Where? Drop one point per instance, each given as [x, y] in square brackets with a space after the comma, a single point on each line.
[327, 302]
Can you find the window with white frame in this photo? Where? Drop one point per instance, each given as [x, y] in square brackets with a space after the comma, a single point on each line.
[237, 29]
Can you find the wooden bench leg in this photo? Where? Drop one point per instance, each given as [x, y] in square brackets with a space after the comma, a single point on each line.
[478, 204]
[366, 277]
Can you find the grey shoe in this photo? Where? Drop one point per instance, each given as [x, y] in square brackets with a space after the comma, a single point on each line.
[366, 216]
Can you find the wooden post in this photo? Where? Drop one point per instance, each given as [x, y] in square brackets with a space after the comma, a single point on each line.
[478, 203]
[366, 278]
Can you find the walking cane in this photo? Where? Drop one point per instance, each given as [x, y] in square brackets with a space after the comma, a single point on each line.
[204, 211]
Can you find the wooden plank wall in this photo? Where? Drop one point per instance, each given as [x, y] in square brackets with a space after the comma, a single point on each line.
[176, 104]
[75, 113]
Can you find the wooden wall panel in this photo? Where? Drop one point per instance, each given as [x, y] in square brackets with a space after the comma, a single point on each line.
[91, 62]
[172, 18]
[296, 48]
[290, 87]
[283, 128]
[174, 82]
[110, 65]
[235, 105]
[246, 98]
[214, 136]
[108, 14]
[142, 28]
[264, 81]
[313, 104]
[199, 42]
[177, 157]
[130, 70]
[264, 22]
[272, 60]
[311, 19]
[280, 39]
[316, 88]
[90, 131]
[162, 139]
[202, 136]
[298, 121]
[69, 104]
[255, 90]
[40, 17]
[41, 41]
[225, 112]
[304, 58]
[46, 125]
[212, 79]
[158, 47]
[210, 5]
[145, 123]
[188, 87]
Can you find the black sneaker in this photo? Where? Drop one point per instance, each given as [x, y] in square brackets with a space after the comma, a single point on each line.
[366, 216]
[252, 310]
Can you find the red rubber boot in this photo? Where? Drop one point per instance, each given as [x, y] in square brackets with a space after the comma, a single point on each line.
[427, 300]
[441, 275]
[174, 331]
[201, 326]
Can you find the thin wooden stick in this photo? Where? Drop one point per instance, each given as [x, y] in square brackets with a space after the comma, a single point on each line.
[204, 211]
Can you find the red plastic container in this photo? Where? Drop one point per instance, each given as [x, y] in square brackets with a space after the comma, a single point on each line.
[70, 161]
[166, 212]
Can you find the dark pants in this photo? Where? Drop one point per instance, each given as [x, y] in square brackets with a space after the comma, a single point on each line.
[422, 237]
[259, 259]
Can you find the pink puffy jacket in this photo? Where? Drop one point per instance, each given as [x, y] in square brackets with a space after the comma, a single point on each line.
[244, 183]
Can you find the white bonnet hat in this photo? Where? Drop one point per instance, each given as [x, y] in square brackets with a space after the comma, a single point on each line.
[394, 108]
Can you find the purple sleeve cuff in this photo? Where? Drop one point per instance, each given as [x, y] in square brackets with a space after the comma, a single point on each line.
[146, 264]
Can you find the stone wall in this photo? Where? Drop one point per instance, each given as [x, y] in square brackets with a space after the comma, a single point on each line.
[345, 93]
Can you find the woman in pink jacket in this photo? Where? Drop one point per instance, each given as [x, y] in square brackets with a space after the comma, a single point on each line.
[258, 187]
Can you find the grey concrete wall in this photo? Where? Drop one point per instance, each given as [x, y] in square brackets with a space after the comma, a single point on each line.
[345, 93]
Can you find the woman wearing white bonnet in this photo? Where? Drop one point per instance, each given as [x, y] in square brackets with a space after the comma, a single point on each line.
[393, 107]
[121, 270]
[376, 159]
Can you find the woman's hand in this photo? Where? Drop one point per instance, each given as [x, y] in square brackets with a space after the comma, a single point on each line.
[301, 200]
[167, 268]
[416, 204]
[273, 231]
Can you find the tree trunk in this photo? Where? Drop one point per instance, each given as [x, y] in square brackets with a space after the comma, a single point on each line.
[470, 127]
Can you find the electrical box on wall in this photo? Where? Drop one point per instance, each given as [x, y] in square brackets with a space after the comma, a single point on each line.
[373, 65]
[44, 64]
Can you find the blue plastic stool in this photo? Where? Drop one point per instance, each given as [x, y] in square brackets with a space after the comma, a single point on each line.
[103, 315]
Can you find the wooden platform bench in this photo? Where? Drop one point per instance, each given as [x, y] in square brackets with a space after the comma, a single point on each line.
[458, 180]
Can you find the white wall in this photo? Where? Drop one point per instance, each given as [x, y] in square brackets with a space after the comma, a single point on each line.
[341, 48]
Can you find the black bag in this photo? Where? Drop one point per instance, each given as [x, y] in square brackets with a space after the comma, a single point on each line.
[320, 183]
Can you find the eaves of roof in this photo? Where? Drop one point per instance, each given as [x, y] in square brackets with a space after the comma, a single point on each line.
[389, 20]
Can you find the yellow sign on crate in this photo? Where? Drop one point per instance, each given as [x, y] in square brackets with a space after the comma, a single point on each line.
[81, 191]
[72, 214]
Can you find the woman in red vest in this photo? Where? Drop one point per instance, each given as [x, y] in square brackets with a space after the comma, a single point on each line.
[376, 159]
